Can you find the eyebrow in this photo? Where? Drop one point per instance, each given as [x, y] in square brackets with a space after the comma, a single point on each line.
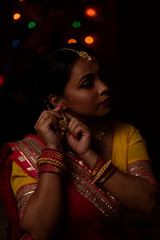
[87, 75]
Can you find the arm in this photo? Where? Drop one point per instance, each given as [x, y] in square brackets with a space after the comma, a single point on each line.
[43, 214]
[134, 192]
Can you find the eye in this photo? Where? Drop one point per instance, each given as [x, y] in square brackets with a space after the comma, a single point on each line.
[87, 84]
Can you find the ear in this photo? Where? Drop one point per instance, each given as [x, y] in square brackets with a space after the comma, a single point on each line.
[55, 100]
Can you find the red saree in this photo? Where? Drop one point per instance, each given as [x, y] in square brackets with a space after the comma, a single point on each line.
[91, 212]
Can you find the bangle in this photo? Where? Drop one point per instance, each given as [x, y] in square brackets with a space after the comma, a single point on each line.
[51, 161]
[49, 168]
[102, 171]
[52, 154]
[99, 164]
[108, 174]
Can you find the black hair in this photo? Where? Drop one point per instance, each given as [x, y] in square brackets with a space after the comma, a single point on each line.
[55, 67]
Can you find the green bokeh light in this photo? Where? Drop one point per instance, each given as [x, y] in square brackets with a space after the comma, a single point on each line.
[76, 24]
[31, 24]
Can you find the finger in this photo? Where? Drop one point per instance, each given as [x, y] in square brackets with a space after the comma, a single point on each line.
[68, 115]
[77, 132]
[73, 123]
[46, 114]
[58, 108]
[47, 122]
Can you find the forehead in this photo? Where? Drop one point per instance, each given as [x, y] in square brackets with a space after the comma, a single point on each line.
[83, 67]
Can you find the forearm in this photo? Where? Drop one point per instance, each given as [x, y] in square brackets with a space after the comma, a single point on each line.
[43, 214]
[133, 192]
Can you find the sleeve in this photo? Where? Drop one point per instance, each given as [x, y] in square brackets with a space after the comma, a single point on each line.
[137, 149]
[23, 186]
[138, 158]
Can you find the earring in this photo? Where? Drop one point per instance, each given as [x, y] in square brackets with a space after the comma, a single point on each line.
[63, 122]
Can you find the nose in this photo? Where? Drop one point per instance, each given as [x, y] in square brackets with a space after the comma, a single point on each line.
[102, 88]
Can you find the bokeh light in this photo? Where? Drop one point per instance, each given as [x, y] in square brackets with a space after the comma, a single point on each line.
[16, 16]
[31, 24]
[90, 12]
[1, 80]
[15, 43]
[72, 40]
[89, 40]
[76, 24]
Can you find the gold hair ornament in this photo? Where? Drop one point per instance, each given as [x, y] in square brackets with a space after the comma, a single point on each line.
[84, 55]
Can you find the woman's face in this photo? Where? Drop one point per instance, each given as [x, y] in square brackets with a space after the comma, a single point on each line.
[85, 95]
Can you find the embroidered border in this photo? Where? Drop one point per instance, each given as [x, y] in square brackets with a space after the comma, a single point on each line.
[29, 151]
[142, 168]
[100, 198]
[23, 195]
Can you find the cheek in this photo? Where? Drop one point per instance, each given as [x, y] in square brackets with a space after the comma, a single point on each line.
[83, 100]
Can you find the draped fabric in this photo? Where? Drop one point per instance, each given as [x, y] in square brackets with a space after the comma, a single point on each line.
[13, 229]
[91, 211]
[97, 208]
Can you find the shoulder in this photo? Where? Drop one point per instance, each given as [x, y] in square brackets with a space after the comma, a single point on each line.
[127, 131]
[30, 141]
[24, 152]
[125, 127]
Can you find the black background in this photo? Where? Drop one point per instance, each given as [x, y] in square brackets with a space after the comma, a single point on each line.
[127, 41]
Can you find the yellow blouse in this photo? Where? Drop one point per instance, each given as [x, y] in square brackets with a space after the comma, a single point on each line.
[128, 146]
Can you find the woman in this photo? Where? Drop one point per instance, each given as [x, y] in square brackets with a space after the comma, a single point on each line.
[78, 176]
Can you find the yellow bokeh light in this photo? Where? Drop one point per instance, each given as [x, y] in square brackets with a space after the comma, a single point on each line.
[16, 16]
[89, 40]
[72, 40]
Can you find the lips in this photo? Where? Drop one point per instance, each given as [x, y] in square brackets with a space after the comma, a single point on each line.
[106, 102]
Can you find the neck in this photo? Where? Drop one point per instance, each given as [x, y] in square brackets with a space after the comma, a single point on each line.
[94, 122]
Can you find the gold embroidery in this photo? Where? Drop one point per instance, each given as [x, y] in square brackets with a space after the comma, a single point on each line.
[30, 168]
[141, 168]
[100, 198]
[23, 196]
[30, 150]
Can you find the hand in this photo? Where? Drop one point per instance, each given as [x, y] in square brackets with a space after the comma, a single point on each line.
[47, 128]
[78, 135]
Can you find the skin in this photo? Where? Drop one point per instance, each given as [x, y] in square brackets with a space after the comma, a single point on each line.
[82, 98]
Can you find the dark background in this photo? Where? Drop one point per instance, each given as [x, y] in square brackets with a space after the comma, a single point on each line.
[127, 41]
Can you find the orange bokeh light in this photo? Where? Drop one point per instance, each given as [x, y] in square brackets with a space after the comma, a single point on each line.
[91, 12]
[72, 40]
[89, 40]
[16, 16]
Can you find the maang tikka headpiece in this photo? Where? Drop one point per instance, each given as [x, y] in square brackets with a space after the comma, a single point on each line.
[84, 55]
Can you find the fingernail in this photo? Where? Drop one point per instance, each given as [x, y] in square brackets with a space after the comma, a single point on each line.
[59, 106]
[74, 136]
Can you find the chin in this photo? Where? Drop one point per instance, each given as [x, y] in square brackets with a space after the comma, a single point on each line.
[105, 112]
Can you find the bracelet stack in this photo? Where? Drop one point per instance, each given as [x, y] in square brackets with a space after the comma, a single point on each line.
[52, 161]
[102, 170]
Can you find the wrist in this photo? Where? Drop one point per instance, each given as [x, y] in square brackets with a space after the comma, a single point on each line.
[52, 147]
[90, 158]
